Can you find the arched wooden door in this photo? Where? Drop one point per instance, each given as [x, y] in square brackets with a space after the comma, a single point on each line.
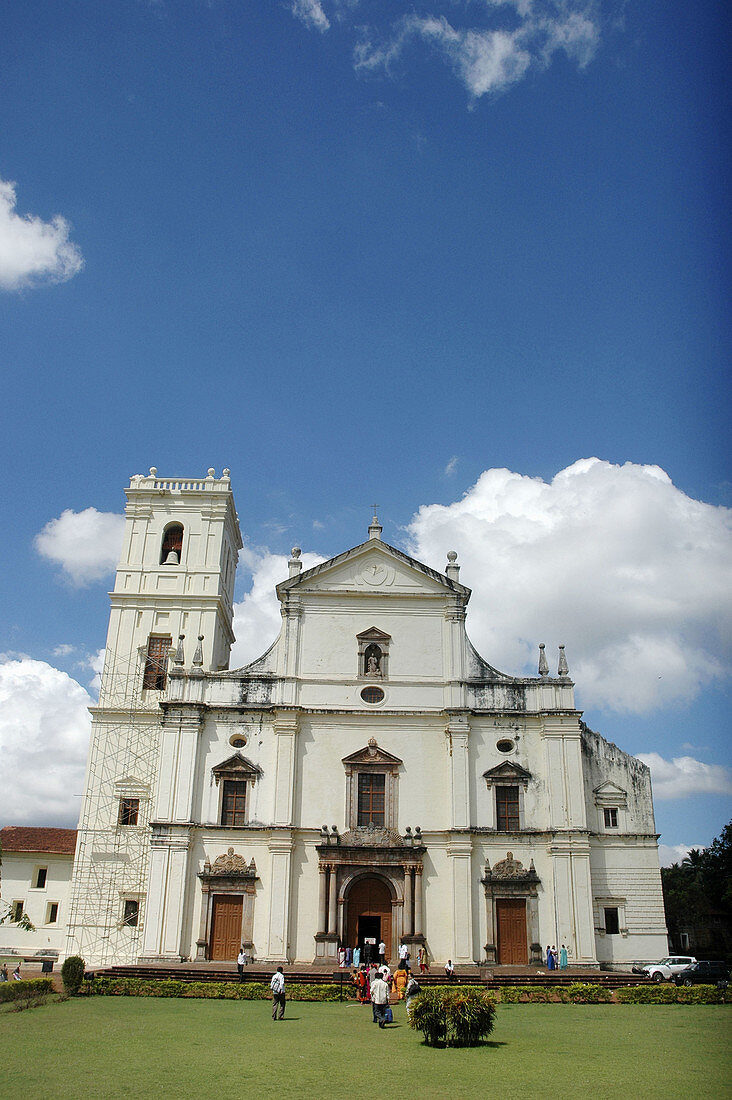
[369, 913]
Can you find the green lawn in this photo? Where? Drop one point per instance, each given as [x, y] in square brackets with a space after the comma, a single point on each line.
[135, 1047]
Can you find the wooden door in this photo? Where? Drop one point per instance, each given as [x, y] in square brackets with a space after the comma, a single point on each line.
[511, 926]
[225, 938]
[369, 897]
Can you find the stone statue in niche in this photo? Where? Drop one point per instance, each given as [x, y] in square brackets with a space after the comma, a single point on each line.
[373, 661]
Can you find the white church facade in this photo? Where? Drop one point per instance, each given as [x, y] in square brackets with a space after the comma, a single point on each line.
[369, 777]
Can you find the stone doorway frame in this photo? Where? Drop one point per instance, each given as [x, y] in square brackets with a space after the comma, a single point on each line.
[361, 852]
[229, 874]
[510, 879]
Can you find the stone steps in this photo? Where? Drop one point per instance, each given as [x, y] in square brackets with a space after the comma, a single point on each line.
[491, 979]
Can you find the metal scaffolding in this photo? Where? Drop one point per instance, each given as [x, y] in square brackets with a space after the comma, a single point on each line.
[111, 863]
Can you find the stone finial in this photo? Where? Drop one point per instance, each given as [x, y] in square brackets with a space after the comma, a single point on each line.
[153, 471]
[226, 473]
[294, 564]
[210, 472]
[375, 527]
[452, 569]
[198, 655]
[563, 668]
[178, 656]
[543, 663]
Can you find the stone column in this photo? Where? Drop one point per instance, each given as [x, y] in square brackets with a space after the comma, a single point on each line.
[322, 896]
[490, 932]
[418, 927]
[202, 941]
[285, 729]
[280, 849]
[408, 921]
[332, 902]
[247, 917]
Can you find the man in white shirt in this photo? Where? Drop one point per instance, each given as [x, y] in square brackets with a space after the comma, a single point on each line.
[380, 1000]
[403, 952]
[241, 962]
[382, 952]
[277, 985]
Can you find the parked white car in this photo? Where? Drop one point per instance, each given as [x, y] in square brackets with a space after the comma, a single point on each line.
[664, 970]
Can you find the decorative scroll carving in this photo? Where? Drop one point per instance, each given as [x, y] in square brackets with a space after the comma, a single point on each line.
[510, 869]
[371, 836]
[232, 864]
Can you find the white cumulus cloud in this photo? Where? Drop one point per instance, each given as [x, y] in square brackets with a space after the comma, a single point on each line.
[44, 734]
[489, 52]
[33, 252]
[684, 776]
[311, 13]
[668, 854]
[631, 574]
[85, 544]
[257, 617]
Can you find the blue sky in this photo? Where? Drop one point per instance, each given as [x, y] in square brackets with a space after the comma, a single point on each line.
[368, 252]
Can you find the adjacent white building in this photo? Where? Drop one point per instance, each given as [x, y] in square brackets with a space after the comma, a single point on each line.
[36, 877]
[370, 776]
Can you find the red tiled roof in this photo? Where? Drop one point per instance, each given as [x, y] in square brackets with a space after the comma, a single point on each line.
[21, 838]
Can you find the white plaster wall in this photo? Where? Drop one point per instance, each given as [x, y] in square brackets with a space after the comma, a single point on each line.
[19, 871]
[627, 871]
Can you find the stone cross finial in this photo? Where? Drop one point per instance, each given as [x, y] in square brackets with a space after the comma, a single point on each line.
[375, 527]
[543, 663]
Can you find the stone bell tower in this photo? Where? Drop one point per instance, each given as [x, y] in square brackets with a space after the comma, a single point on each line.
[176, 573]
[175, 578]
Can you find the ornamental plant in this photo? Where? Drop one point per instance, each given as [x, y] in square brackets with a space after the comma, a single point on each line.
[72, 973]
[455, 1017]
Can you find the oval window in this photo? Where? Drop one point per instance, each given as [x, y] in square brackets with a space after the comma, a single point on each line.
[505, 745]
[238, 741]
[372, 695]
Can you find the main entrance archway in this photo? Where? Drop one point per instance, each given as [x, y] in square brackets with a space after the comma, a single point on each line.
[368, 913]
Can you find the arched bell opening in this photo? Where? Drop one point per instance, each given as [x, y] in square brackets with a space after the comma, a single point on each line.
[171, 548]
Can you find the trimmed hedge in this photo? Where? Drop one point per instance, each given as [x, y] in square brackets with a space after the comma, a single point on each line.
[589, 994]
[454, 1017]
[577, 993]
[18, 991]
[673, 995]
[228, 991]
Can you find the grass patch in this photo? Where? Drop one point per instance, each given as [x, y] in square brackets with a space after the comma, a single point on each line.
[113, 1046]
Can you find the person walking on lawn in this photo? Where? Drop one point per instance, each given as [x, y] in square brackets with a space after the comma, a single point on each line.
[380, 1000]
[277, 985]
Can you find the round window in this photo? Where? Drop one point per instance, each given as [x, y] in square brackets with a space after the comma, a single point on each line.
[372, 695]
[505, 745]
[238, 741]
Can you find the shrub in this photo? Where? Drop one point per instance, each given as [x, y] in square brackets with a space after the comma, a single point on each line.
[584, 993]
[232, 991]
[671, 995]
[72, 973]
[453, 1016]
[19, 991]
